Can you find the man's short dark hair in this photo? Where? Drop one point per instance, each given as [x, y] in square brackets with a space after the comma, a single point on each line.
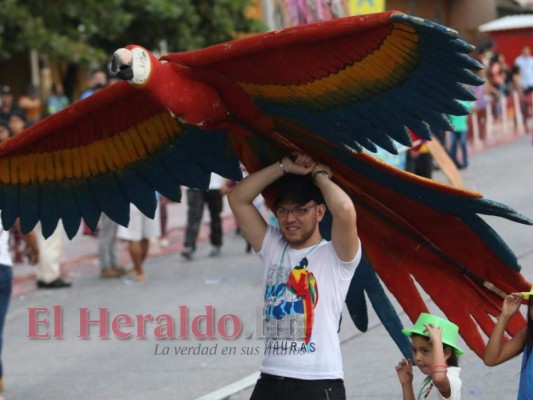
[298, 189]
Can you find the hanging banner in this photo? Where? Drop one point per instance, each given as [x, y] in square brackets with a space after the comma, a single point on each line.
[358, 7]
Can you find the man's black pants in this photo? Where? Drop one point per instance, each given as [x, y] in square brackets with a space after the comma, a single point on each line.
[272, 387]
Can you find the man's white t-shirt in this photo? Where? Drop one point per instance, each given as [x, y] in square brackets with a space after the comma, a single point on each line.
[286, 315]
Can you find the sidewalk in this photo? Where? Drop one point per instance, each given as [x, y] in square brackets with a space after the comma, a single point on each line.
[80, 256]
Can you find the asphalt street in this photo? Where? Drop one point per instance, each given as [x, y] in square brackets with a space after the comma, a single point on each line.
[207, 300]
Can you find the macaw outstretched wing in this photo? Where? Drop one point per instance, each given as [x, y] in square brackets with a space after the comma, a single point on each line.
[415, 231]
[359, 82]
[326, 89]
[355, 81]
[100, 154]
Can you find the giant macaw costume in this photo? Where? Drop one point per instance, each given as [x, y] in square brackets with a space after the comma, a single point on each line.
[327, 89]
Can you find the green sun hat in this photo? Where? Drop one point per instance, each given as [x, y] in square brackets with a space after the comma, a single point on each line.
[450, 331]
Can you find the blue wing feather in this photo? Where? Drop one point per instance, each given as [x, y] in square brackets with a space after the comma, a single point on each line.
[88, 206]
[464, 207]
[138, 191]
[185, 171]
[219, 156]
[365, 279]
[356, 302]
[49, 208]
[10, 210]
[111, 200]
[68, 212]
[163, 182]
[29, 202]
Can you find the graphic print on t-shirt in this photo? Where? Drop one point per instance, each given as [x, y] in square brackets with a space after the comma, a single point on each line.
[290, 298]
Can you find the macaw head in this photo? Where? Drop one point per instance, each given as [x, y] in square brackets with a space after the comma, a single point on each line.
[134, 64]
[169, 85]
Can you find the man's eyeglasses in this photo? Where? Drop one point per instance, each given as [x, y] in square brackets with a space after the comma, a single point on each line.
[297, 212]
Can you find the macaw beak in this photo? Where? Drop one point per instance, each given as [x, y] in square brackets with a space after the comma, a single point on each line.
[121, 64]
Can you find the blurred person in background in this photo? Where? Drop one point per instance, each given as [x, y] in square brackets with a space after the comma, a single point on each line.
[6, 281]
[15, 237]
[107, 234]
[138, 234]
[496, 77]
[163, 208]
[57, 100]
[525, 64]
[49, 266]
[196, 201]
[17, 122]
[419, 159]
[499, 72]
[32, 105]
[7, 103]
[98, 81]
[5, 131]
[107, 228]
[481, 104]
[460, 136]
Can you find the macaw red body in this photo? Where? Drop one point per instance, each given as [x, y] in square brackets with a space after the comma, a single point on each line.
[327, 89]
[175, 89]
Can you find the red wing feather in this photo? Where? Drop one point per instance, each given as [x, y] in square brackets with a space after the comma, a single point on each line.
[334, 40]
[409, 243]
[108, 111]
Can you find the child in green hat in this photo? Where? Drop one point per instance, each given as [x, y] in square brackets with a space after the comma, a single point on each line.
[435, 351]
[498, 352]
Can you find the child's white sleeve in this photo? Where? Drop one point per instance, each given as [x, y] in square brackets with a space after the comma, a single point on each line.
[455, 384]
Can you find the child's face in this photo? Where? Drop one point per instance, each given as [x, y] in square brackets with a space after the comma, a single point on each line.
[423, 353]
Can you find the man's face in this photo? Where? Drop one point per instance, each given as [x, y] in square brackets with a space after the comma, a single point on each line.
[423, 353]
[299, 222]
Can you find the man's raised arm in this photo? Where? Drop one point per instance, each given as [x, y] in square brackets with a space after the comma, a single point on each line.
[344, 228]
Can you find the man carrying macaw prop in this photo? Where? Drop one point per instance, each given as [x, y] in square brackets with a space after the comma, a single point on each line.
[326, 89]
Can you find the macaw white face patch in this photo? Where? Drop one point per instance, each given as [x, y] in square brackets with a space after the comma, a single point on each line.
[141, 66]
